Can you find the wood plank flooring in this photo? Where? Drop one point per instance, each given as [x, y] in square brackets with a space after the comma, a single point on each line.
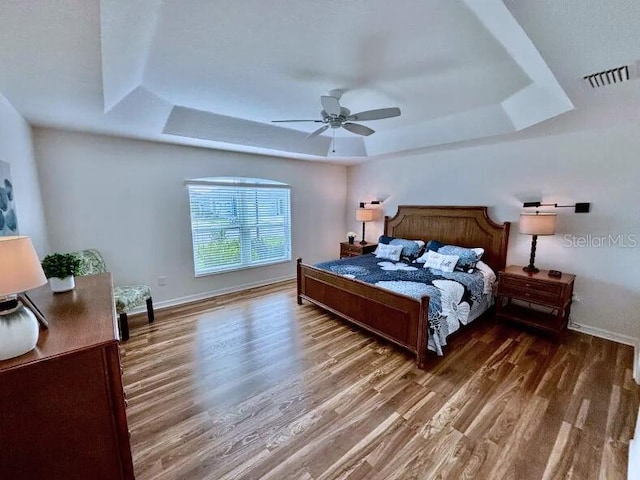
[253, 386]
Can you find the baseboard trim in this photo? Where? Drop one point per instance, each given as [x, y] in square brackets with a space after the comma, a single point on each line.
[615, 337]
[211, 294]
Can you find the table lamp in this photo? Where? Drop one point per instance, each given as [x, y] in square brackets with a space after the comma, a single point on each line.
[364, 215]
[20, 271]
[536, 224]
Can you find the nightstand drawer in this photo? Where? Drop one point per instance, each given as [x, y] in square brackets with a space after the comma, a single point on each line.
[350, 249]
[355, 249]
[530, 289]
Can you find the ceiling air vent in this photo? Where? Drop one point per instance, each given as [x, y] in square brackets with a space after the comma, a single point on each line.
[608, 77]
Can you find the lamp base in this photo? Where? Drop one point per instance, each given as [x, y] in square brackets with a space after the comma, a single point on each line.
[363, 242]
[18, 332]
[531, 268]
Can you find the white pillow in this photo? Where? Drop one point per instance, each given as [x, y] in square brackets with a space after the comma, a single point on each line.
[422, 258]
[436, 260]
[390, 252]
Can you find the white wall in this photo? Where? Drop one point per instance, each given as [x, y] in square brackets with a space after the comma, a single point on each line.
[127, 198]
[16, 148]
[601, 167]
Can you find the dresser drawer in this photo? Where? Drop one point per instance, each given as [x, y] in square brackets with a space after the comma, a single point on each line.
[531, 290]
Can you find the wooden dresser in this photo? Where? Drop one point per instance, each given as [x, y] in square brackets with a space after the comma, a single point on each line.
[62, 405]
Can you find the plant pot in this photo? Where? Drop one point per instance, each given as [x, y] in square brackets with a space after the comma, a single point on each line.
[351, 239]
[59, 285]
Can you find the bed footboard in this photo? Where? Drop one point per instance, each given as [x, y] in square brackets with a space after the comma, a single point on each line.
[395, 317]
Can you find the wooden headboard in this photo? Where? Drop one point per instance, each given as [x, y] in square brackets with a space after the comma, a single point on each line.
[465, 226]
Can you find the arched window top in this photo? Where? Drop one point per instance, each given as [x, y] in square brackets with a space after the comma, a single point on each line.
[238, 182]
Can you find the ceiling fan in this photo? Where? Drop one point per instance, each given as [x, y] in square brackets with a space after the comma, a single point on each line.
[336, 116]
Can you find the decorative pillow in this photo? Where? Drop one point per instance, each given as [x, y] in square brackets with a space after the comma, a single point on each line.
[468, 256]
[384, 239]
[411, 249]
[390, 252]
[422, 258]
[436, 260]
[434, 245]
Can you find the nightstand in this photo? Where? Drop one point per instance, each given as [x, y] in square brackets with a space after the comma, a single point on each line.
[354, 249]
[547, 300]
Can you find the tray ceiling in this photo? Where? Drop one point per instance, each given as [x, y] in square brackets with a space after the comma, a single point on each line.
[215, 74]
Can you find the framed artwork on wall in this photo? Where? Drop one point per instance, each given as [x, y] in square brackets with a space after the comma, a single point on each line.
[8, 218]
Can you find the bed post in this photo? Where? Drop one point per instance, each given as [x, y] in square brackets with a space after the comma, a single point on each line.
[423, 332]
[299, 279]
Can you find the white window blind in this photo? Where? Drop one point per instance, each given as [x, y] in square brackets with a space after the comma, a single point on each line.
[239, 223]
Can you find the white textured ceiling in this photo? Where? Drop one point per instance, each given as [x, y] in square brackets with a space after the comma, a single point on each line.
[215, 73]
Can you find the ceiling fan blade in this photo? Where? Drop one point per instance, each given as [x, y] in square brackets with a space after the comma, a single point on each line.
[358, 129]
[331, 105]
[318, 131]
[281, 121]
[377, 114]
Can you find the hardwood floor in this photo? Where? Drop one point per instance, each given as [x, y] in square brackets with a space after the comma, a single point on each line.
[254, 386]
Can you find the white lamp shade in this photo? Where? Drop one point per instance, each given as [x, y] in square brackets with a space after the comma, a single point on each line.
[538, 223]
[364, 215]
[20, 269]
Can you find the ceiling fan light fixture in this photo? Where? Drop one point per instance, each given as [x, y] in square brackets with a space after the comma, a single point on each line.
[336, 116]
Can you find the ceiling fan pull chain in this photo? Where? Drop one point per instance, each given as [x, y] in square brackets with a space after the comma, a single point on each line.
[334, 140]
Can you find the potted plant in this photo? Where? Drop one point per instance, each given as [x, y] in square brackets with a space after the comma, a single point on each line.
[60, 269]
[351, 237]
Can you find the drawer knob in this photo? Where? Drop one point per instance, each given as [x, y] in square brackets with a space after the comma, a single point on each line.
[527, 285]
[527, 294]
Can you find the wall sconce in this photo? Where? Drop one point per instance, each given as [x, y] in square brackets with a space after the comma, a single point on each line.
[364, 215]
[578, 207]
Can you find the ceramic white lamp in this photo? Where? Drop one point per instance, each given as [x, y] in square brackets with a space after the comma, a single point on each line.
[20, 271]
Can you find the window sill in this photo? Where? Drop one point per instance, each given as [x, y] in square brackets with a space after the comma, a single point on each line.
[243, 267]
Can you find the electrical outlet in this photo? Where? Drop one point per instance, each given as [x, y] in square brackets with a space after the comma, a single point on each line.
[576, 298]
[162, 281]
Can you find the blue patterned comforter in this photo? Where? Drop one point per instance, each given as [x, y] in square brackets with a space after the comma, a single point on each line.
[456, 298]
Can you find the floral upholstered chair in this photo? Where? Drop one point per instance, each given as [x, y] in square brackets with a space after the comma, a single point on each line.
[126, 298]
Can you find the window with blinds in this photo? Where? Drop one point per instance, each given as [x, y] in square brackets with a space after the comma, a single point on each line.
[239, 223]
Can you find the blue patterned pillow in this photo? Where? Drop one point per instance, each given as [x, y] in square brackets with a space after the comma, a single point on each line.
[468, 256]
[434, 245]
[411, 249]
[384, 239]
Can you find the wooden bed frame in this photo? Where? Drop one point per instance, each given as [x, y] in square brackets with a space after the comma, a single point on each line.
[398, 318]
